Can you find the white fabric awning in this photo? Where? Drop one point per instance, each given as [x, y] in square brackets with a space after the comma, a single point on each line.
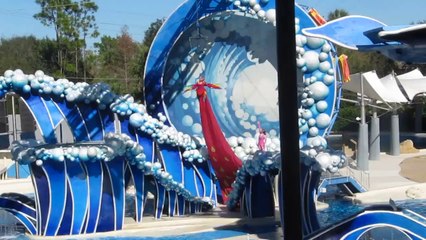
[385, 90]
[413, 83]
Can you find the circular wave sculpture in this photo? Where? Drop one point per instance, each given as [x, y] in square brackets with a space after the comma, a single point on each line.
[233, 44]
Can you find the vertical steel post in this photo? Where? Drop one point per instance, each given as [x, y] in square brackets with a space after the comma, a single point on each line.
[289, 130]
[15, 136]
[362, 145]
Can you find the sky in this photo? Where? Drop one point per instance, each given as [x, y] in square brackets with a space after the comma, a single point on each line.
[16, 16]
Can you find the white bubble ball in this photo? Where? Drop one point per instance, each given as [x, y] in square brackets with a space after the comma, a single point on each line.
[313, 131]
[323, 120]
[257, 7]
[312, 60]
[261, 13]
[39, 162]
[324, 66]
[324, 160]
[323, 56]
[328, 79]
[270, 15]
[321, 106]
[311, 122]
[326, 48]
[300, 62]
[315, 43]
[252, 2]
[319, 90]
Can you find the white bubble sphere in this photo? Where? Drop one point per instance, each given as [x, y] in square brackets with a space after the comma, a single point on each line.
[270, 15]
[319, 90]
[312, 60]
[323, 120]
[315, 43]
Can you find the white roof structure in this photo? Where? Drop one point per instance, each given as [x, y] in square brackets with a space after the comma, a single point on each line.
[413, 83]
[385, 89]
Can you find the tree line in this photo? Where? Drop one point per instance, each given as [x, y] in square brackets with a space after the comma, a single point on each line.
[117, 60]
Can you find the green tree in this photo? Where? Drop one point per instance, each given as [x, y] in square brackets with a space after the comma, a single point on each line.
[338, 13]
[143, 49]
[73, 22]
[20, 52]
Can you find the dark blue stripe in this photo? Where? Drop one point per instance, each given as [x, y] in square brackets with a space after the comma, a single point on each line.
[138, 181]
[65, 227]
[92, 120]
[148, 146]
[94, 171]
[172, 161]
[78, 187]
[106, 218]
[161, 199]
[55, 113]
[74, 120]
[56, 174]
[15, 205]
[172, 202]
[43, 193]
[107, 121]
[28, 224]
[189, 179]
[116, 170]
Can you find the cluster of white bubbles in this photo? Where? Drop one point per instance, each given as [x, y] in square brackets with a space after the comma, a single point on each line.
[245, 147]
[254, 7]
[100, 93]
[28, 151]
[316, 154]
[262, 163]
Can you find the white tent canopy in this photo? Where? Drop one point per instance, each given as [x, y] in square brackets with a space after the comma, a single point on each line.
[385, 89]
[413, 83]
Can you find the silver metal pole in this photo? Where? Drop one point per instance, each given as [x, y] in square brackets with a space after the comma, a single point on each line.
[374, 137]
[394, 135]
[15, 136]
[362, 151]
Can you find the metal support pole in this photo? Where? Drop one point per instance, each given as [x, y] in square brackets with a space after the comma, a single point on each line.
[289, 131]
[15, 136]
[394, 135]
[374, 137]
[362, 151]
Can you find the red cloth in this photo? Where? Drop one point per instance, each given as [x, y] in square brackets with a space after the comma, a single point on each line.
[224, 161]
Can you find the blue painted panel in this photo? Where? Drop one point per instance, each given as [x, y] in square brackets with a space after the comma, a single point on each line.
[261, 197]
[138, 180]
[107, 121]
[75, 121]
[127, 129]
[148, 146]
[92, 120]
[160, 200]
[199, 181]
[116, 170]
[77, 179]
[37, 107]
[29, 225]
[7, 203]
[189, 178]
[67, 220]
[106, 216]
[206, 176]
[95, 174]
[181, 205]
[172, 161]
[54, 112]
[172, 203]
[42, 192]
[57, 183]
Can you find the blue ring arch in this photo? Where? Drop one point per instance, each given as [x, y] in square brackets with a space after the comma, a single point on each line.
[164, 85]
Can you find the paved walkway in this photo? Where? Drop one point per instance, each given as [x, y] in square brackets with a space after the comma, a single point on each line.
[385, 180]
